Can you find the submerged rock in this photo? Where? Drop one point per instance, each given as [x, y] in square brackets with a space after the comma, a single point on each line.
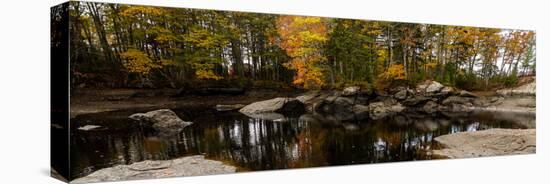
[492, 142]
[163, 120]
[231, 107]
[186, 166]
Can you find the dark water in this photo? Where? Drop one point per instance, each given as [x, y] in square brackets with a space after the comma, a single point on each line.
[255, 144]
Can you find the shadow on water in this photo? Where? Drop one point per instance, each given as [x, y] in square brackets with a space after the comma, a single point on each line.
[256, 144]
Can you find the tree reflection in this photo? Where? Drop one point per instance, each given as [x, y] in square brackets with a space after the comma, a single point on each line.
[258, 144]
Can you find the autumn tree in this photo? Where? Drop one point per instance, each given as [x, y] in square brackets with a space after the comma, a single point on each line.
[174, 46]
[302, 38]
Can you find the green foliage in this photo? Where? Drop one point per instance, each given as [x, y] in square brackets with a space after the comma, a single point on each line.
[183, 45]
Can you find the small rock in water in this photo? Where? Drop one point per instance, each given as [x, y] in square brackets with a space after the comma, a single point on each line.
[88, 127]
[163, 120]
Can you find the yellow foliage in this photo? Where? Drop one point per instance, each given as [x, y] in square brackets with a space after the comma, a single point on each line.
[138, 10]
[204, 71]
[136, 61]
[207, 74]
[394, 72]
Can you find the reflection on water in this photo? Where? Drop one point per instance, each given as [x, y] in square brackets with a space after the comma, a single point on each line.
[255, 144]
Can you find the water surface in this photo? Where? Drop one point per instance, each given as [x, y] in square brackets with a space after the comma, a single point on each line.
[256, 144]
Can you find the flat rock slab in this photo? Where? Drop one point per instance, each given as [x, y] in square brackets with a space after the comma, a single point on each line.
[149, 169]
[492, 142]
[529, 89]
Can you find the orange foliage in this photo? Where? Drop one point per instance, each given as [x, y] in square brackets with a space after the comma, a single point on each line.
[302, 39]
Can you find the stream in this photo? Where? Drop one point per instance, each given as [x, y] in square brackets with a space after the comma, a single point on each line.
[255, 144]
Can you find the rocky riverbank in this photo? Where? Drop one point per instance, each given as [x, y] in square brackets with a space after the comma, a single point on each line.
[430, 97]
[186, 166]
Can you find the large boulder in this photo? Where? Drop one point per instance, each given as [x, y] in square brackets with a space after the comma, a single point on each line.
[434, 87]
[278, 105]
[356, 91]
[421, 88]
[163, 120]
[149, 169]
[341, 108]
[350, 91]
[379, 110]
[312, 100]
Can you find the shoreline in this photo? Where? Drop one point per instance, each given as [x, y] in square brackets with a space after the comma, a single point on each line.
[124, 99]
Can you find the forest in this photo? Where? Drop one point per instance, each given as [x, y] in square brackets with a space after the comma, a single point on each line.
[123, 46]
[161, 92]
